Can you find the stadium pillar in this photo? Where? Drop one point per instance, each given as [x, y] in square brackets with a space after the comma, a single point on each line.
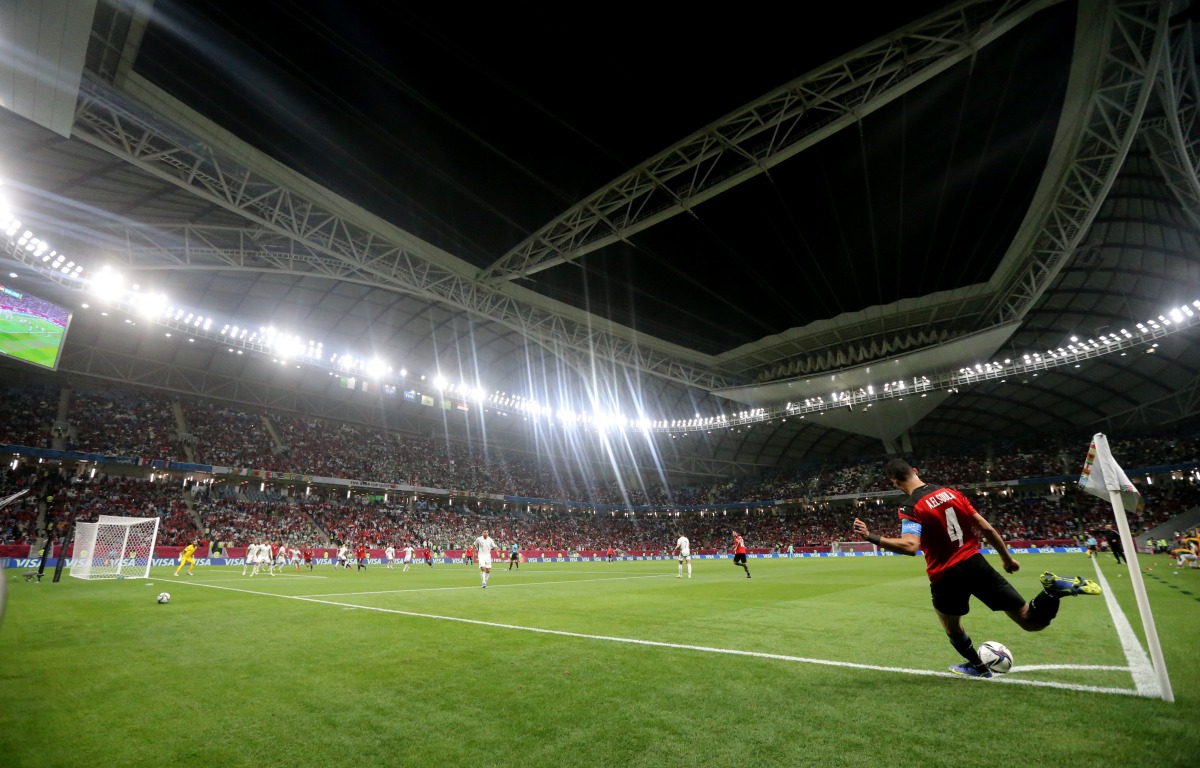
[62, 553]
[46, 550]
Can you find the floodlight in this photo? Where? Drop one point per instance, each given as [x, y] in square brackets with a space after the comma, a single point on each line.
[106, 282]
[376, 368]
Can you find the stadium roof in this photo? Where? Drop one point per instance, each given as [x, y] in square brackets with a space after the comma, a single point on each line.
[674, 217]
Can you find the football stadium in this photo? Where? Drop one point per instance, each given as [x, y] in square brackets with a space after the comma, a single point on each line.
[641, 386]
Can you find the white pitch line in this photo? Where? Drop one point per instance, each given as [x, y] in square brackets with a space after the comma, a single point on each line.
[683, 647]
[1090, 667]
[1139, 663]
[490, 586]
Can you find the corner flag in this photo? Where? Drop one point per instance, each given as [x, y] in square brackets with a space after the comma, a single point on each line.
[1102, 474]
[1103, 477]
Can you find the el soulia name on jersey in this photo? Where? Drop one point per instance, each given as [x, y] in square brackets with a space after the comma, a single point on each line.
[944, 519]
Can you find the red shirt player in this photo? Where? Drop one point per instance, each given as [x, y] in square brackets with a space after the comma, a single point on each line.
[611, 554]
[739, 552]
[470, 556]
[307, 554]
[943, 523]
[360, 554]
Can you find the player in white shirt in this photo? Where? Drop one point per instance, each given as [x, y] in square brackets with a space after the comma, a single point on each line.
[281, 558]
[265, 558]
[251, 557]
[408, 555]
[390, 554]
[262, 556]
[343, 557]
[684, 548]
[484, 545]
[295, 553]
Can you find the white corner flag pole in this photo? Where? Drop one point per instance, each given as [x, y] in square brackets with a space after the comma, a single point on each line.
[1101, 473]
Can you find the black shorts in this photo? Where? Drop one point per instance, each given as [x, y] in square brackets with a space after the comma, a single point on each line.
[515, 556]
[739, 558]
[974, 577]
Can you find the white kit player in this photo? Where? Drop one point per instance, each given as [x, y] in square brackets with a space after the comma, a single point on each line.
[408, 556]
[343, 558]
[484, 546]
[295, 553]
[684, 548]
[265, 559]
[281, 557]
[251, 558]
[390, 554]
[262, 557]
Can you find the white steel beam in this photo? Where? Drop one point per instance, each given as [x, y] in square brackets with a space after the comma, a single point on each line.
[1174, 136]
[766, 132]
[1107, 95]
[387, 257]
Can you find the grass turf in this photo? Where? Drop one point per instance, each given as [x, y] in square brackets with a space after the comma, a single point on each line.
[407, 668]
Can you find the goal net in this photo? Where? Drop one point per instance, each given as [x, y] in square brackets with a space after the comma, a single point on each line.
[114, 547]
[853, 546]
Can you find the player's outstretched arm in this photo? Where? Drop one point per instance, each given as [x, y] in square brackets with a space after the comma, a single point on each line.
[907, 544]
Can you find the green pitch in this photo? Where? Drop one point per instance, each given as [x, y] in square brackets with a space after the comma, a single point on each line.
[810, 662]
[31, 339]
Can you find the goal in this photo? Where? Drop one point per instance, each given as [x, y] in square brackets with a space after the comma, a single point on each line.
[846, 547]
[114, 547]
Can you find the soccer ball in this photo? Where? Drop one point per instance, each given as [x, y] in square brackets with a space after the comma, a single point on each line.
[996, 656]
[164, 597]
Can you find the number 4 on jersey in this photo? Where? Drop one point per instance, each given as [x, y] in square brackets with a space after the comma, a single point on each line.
[953, 529]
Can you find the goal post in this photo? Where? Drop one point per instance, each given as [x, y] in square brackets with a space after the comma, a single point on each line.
[114, 548]
[850, 547]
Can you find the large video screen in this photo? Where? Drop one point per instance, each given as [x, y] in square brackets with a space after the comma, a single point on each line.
[32, 329]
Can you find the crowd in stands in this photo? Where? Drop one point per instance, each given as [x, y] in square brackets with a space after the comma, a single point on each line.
[129, 497]
[227, 436]
[241, 522]
[27, 415]
[19, 518]
[122, 422]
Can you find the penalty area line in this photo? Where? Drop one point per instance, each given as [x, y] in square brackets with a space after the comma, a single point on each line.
[685, 647]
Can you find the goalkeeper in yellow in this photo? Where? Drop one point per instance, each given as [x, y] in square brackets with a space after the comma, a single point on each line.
[187, 557]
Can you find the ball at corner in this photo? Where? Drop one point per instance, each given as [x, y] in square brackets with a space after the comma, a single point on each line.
[996, 656]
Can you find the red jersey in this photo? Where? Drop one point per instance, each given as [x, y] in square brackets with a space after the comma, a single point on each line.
[307, 554]
[361, 553]
[739, 546]
[470, 552]
[274, 550]
[945, 521]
